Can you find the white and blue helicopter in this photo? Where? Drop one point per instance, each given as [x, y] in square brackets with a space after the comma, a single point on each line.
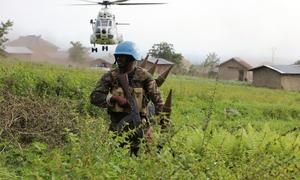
[105, 31]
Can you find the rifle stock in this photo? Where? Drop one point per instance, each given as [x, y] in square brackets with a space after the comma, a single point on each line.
[134, 115]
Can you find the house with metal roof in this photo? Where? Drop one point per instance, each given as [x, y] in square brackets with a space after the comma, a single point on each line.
[161, 66]
[104, 62]
[18, 52]
[277, 76]
[235, 69]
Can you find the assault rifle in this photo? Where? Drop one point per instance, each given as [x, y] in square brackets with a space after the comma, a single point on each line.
[134, 116]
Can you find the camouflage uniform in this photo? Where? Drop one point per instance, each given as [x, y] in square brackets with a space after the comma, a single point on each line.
[143, 88]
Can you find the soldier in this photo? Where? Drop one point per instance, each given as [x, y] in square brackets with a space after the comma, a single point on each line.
[109, 94]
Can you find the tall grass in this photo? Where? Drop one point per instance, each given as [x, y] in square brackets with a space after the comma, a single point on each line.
[253, 133]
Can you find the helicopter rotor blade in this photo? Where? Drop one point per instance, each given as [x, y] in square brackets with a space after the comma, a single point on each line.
[116, 2]
[104, 2]
[94, 2]
[90, 3]
[119, 1]
[139, 4]
[83, 4]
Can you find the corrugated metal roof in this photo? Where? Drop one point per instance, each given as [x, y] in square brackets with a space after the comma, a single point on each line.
[282, 69]
[17, 50]
[160, 60]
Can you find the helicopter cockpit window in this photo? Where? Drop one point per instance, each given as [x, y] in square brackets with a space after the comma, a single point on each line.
[98, 23]
[104, 22]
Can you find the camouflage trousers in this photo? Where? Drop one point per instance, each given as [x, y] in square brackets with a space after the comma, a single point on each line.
[132, 139]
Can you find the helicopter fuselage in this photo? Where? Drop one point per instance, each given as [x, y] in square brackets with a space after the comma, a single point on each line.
[105, 29]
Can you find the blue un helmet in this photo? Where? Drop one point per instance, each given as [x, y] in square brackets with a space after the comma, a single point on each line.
[128, 48]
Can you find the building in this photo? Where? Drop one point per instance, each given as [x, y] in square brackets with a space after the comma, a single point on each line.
[40, 48]
[162, 64]
[235, 69]
[18, 52]
[34, 43]
[277, 76]
[44, 51]
[108, 60]
[104, 62]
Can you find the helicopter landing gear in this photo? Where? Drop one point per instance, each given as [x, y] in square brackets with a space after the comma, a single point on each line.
[104, 48]
[94, 49]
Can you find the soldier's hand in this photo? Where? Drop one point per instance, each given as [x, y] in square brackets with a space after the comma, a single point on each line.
[120, 100]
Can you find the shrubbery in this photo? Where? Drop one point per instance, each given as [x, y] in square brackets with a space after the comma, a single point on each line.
[49, 130]
[28, 119]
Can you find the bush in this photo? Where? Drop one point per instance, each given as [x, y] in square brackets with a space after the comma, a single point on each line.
[28, 119]
[250, 134]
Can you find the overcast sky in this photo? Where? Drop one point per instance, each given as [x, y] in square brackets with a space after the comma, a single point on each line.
[248, 29]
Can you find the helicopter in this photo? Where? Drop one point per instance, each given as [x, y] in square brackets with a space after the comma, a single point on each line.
[105, 31]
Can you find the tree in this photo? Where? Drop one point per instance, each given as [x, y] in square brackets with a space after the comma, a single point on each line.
[195, 70]
[297, 62]
[166, 51]
[4, 28]
[207, 67]
[77, 52]
[211, 61]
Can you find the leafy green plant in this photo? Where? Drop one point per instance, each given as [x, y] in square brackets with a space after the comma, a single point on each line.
[251, 133]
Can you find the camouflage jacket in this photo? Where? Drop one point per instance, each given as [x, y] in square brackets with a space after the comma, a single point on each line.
[144, 89]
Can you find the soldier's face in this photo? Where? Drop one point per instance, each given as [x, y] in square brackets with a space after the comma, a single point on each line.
[123, 61]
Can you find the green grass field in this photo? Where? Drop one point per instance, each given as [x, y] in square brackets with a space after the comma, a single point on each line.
[50, 131]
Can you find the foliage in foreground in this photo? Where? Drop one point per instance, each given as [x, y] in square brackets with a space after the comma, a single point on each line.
[252, 133]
